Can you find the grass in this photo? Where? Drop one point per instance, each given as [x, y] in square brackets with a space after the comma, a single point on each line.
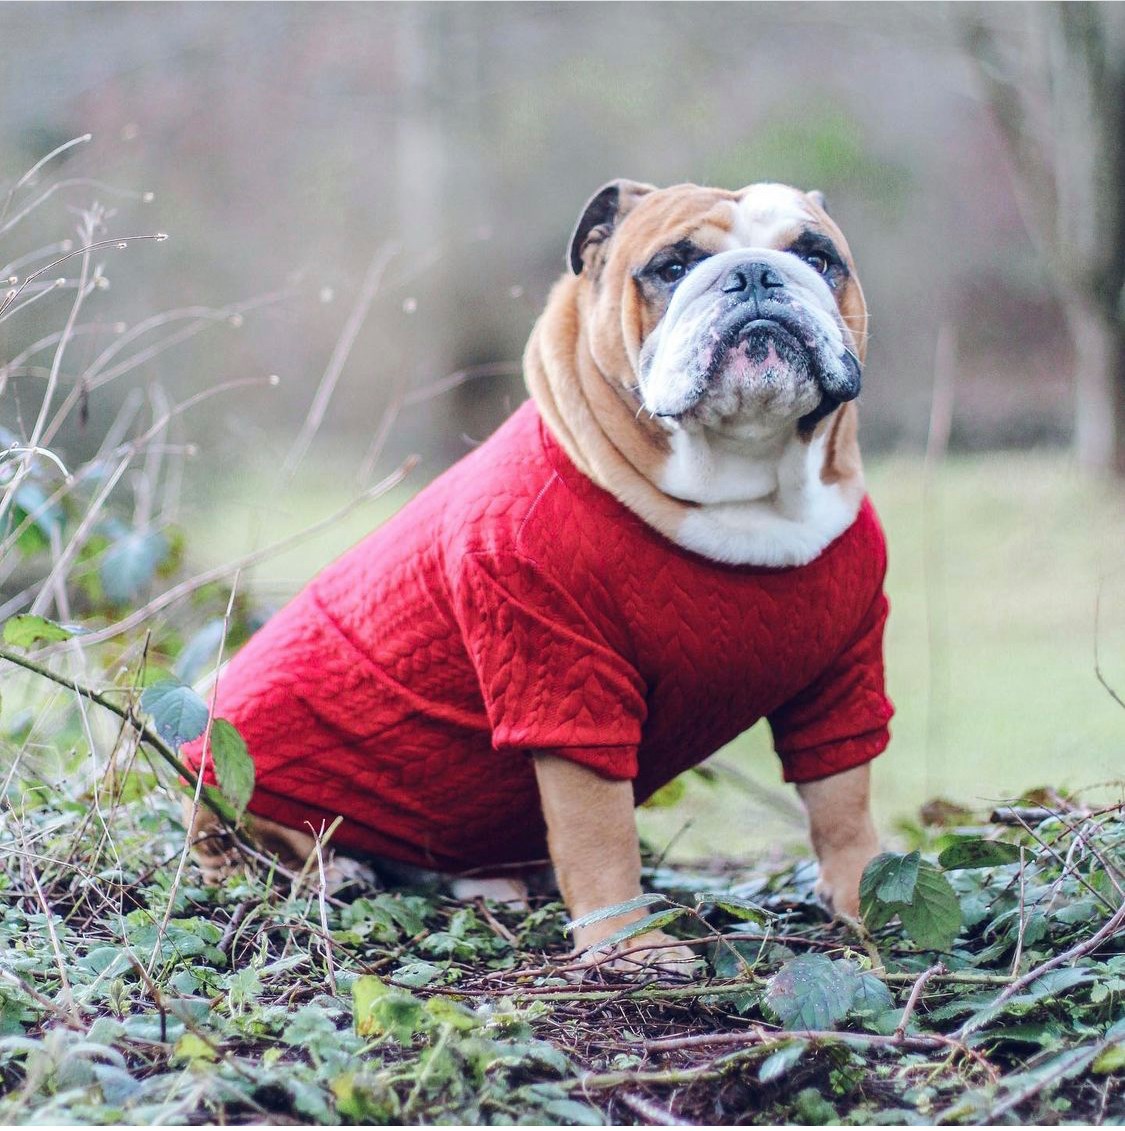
[996, 569]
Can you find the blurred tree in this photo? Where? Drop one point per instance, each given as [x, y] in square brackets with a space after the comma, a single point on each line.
[1058, 93]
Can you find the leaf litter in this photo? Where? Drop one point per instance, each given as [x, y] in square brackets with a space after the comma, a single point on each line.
[126, 998]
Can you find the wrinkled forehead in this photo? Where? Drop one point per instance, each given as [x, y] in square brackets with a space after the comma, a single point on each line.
[769, 216]
[760, 215]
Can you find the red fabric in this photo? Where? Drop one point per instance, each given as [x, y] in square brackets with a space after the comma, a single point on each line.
[515, 606]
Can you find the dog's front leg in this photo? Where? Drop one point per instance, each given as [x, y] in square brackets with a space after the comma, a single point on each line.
[843, 834]
[592, 836]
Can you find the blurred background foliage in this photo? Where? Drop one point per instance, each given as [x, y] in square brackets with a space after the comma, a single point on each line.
[432, 159]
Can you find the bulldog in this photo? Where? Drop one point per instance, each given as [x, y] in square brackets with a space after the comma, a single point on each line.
[668, 542]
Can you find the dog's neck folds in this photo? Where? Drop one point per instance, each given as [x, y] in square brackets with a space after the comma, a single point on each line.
[762, 501]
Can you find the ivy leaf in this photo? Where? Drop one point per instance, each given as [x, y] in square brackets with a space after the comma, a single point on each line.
[26, 630]
[973, 852]
[234, 767]
[178, 714]
[812, 992]
[130, 564]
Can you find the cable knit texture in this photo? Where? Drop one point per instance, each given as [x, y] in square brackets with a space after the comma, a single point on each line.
[515, 606]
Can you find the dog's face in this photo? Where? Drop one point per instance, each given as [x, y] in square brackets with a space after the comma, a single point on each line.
[738, 312]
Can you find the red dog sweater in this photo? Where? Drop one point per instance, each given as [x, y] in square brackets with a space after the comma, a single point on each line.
[515, 606]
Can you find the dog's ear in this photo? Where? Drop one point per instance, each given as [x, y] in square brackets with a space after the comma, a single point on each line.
[601, 215]
[819, 199]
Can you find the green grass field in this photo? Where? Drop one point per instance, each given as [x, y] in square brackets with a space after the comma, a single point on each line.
[996, 567]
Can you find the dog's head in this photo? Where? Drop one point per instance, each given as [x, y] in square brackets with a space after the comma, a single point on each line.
[738, 312]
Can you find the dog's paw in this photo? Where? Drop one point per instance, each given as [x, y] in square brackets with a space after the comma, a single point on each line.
[837, 886]
[651, 954]
[342, 872]
[499, 889]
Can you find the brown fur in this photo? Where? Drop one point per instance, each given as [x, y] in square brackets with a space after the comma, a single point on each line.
[581, 360]
[581, 368]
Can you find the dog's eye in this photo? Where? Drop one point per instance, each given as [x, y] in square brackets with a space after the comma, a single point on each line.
[819, 262]
[671, 272]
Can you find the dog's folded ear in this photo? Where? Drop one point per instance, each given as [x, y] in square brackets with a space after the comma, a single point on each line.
[601, 215]
[819, 199]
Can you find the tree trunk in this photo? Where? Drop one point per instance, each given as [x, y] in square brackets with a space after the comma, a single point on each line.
[1099, 379]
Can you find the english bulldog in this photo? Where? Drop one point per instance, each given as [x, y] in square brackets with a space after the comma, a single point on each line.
[670, 541]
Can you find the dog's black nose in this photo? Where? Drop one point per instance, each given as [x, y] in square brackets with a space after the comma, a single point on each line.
[751, 279]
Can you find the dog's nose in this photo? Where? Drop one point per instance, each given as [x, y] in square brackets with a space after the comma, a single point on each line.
[751, 279]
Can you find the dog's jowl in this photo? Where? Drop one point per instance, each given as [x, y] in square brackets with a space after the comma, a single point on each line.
[668, 542]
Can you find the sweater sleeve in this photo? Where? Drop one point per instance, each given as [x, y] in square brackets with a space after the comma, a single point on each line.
[840, 720]
[549, 679]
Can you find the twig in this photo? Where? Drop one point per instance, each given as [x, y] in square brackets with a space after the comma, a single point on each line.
[654, 1113]
[1022, 911]
[339, 358]
[1107, 931]
[149, 736]
[759, 1036]
[322, 892]
[236, 920]
[53, 1008]
[915, 994]
[1097, 654]
[598, 1082]
[1077, 1058]
[185, 588]
[1058, 859]
[204, 753]
[52, 934]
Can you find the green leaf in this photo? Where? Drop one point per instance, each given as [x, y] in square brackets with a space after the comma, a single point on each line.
[973, 852]
[1110, 1061]
[649, 923]
[193, 1049]
[1053, 983]
[178, 714]
[611, 912]
[201, 651]
[933, 918]
[30, 500]
[26, 630]
[667, 795]
[778, 1064]
[571, 1111]
[871, 995]
[234, 767]
[890, 878]
[417, 974]
[812, 992]
[130, 564]
[734, 905]
[379, 1009]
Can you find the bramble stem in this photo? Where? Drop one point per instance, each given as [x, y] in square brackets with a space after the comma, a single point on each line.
[147, 734]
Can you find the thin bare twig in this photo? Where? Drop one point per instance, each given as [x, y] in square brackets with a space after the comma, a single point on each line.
[915, 995]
